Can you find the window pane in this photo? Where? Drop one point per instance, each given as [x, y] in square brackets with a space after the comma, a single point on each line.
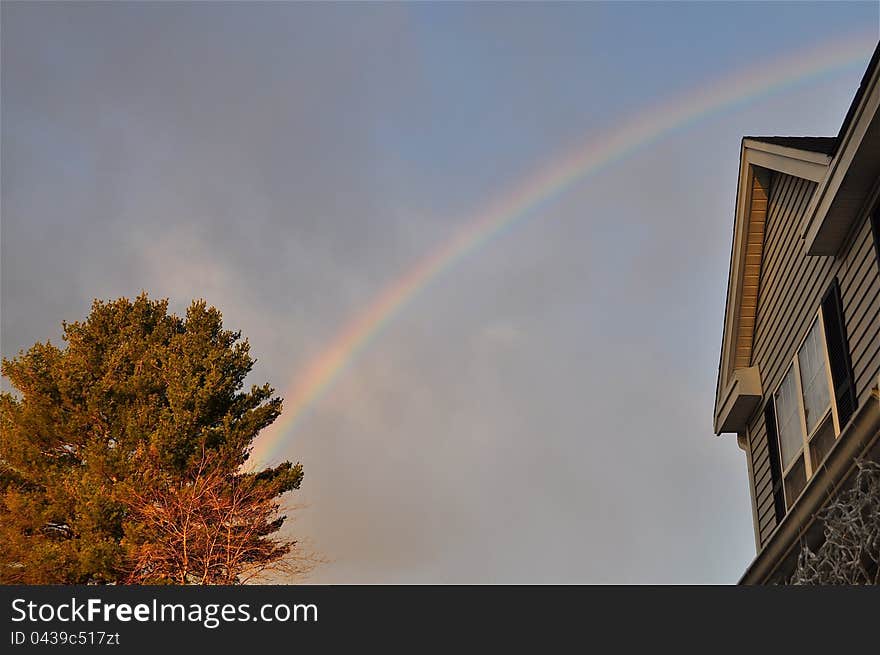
[795, 482]
[811, 357]
[788, 419]
[822, 442]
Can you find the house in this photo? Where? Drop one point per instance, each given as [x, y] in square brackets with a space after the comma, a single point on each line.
[800, 356]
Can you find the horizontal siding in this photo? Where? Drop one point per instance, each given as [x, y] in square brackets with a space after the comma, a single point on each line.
[762, 461]
[860, 291]
[791, 288]
[868, 380]
[761, 467]
[782, 286]
[761, 483]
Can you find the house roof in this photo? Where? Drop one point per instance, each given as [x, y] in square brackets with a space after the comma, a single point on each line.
[827, 145]
[850, 184]
[822, 144]
[860, 92]
[822, 160]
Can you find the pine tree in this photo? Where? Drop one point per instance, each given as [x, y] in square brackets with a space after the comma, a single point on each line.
[136, 402]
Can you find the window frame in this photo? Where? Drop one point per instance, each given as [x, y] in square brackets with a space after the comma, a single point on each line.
[806, 436]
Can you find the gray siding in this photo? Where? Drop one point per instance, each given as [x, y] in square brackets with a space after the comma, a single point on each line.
[791, 288]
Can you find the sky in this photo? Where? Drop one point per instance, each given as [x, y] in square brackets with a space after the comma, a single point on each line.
[539, 409]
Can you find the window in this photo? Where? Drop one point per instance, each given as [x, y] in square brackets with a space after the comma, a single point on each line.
[806, 421]
[812, 404]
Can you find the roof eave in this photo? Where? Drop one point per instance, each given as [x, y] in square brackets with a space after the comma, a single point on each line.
[849, 188]
[756, 158]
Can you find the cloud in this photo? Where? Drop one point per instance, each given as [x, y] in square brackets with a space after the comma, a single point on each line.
[502, 333]
[540, 411]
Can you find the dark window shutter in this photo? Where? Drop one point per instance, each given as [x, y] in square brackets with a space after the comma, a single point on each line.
[875, 226]
[838, 354]
[775, 466]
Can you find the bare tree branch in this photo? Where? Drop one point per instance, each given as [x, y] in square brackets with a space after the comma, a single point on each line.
[850, 553]
[212, 527]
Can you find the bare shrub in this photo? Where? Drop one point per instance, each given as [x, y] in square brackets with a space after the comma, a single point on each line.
[850, 553]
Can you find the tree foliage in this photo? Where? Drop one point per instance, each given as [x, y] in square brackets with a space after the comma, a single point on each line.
[139, 410]
[850, 552]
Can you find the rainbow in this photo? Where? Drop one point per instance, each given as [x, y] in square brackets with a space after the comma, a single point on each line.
[312, 382]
